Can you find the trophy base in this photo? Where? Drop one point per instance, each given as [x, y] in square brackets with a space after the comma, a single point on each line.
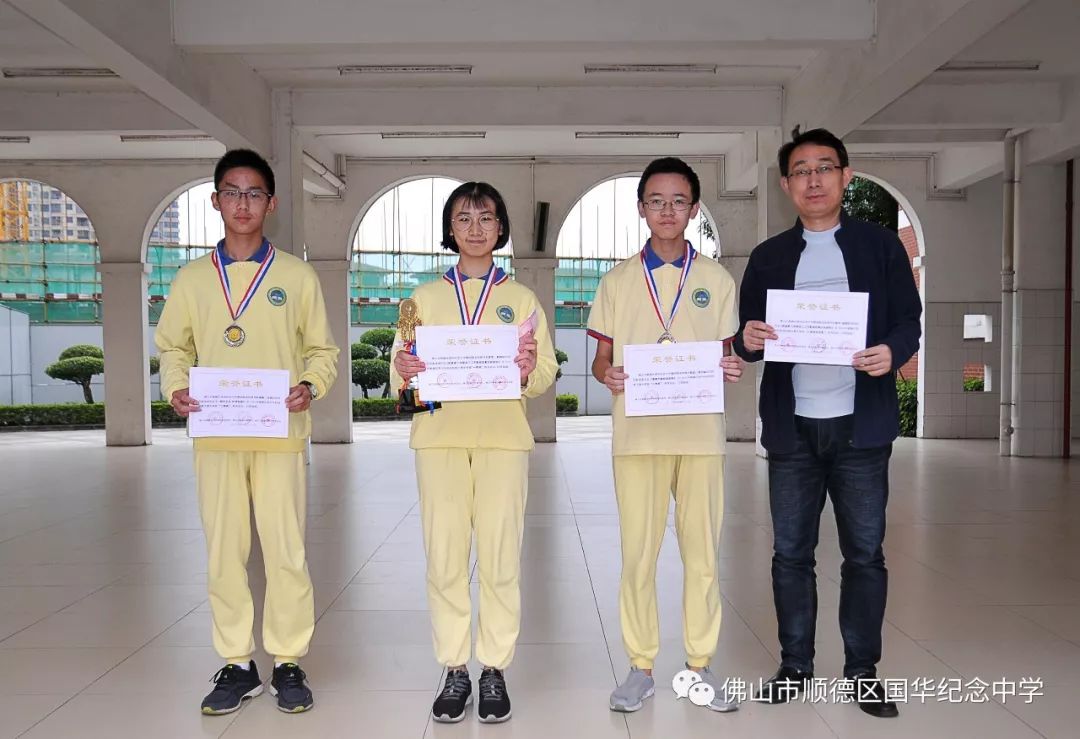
[409, 403]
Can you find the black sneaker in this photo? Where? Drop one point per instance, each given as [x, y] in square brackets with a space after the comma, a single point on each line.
[449, 706]
[494, 702]
[232, 686]
[290, 686]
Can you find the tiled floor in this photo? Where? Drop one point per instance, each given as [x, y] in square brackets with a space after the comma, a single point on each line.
[104, 626]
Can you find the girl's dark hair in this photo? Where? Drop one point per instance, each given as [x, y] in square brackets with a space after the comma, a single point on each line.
[474, 193]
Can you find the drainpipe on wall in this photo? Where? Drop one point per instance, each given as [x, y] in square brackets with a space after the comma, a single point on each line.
[1008, 295]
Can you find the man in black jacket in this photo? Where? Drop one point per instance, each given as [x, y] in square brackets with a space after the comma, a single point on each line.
[829, 429]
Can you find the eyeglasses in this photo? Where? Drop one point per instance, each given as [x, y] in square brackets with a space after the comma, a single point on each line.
[255, 197]
[822, 170]
[463, 222]
[677, 204]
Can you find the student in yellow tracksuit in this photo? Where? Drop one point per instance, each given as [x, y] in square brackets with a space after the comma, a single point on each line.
[667, 293]
[249, 305]
[472, 459]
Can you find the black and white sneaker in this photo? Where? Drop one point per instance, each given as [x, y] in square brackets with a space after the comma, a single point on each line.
[494, 701]
[232, 686]
[290, 686]
[449, 706]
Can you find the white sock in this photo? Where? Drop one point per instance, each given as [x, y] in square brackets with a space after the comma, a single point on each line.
[242, 665]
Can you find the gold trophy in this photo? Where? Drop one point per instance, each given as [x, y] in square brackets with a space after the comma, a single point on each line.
[409, 395]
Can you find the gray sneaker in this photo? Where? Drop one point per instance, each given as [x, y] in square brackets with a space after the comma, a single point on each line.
[723, 702]
[631, 695]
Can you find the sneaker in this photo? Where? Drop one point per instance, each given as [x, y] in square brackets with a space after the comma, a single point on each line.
[723, 702]
[232, 686]
[290, 686]
[786, 685]
[456, 695]
[631, 695]
[494, 705]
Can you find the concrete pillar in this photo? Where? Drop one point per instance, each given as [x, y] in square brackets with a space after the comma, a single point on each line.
[539, 276]
[286, 227]
[332, 415]
[1039, 318]
[127, 352]
[775, 214]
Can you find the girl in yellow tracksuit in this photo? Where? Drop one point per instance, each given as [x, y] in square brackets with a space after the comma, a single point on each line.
[472, 459]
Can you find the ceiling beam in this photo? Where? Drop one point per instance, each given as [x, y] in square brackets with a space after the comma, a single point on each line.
[657, 108]
[90, 112]
[843, 88]
[985, 105]
[218, 95]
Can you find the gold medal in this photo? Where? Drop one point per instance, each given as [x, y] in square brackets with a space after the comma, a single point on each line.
[234, 335]
[666, 338]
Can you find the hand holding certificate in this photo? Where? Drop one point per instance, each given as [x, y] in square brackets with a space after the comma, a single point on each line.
[468, 363]
[239, 402]
[815, 327]
[674, 379]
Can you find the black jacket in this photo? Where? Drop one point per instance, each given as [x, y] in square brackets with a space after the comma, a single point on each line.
[876, 264]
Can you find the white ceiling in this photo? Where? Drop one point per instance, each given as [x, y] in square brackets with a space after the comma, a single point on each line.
[772, 46]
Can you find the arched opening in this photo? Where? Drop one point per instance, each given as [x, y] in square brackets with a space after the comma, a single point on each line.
[872, 199]
[186, 228]
[600, 230]
[48, 255]
[50, 295]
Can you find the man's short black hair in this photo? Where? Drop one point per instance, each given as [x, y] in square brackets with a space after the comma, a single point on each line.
[670, 165]
[236, 158]
[819, 136]
[474, 193]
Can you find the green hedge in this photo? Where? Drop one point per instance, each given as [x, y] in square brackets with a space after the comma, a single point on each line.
[974, 385]
[908, 393]
[566, 404]
[75, 414]
[374, 408]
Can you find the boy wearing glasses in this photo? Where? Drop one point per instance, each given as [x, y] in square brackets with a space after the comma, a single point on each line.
[250, 305]
[472, 459]
[667, 293]
[828, 429]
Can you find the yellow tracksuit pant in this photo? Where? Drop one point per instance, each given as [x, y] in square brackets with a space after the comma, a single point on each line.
[463, 491]
[643, 484]
[229, 485]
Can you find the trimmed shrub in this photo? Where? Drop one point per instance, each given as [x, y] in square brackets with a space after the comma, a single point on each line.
[908, 394]
[560, 359]
[82, 350]
[566, 404]
[360, 350]
[374, 408]
[974, 385]
[79, 370]
[370, 374]
[380, 338]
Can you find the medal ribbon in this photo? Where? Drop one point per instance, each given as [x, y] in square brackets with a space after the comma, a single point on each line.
[467, 318]
[654, 293]
[253, 287]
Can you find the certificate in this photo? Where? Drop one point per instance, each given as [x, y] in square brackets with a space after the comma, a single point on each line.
[239, 402]
[815, 327]
[674, 379]
[468, 362]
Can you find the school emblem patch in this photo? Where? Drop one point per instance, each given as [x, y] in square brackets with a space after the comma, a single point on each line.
[276, 296]
[701, 297]
[505, 313]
